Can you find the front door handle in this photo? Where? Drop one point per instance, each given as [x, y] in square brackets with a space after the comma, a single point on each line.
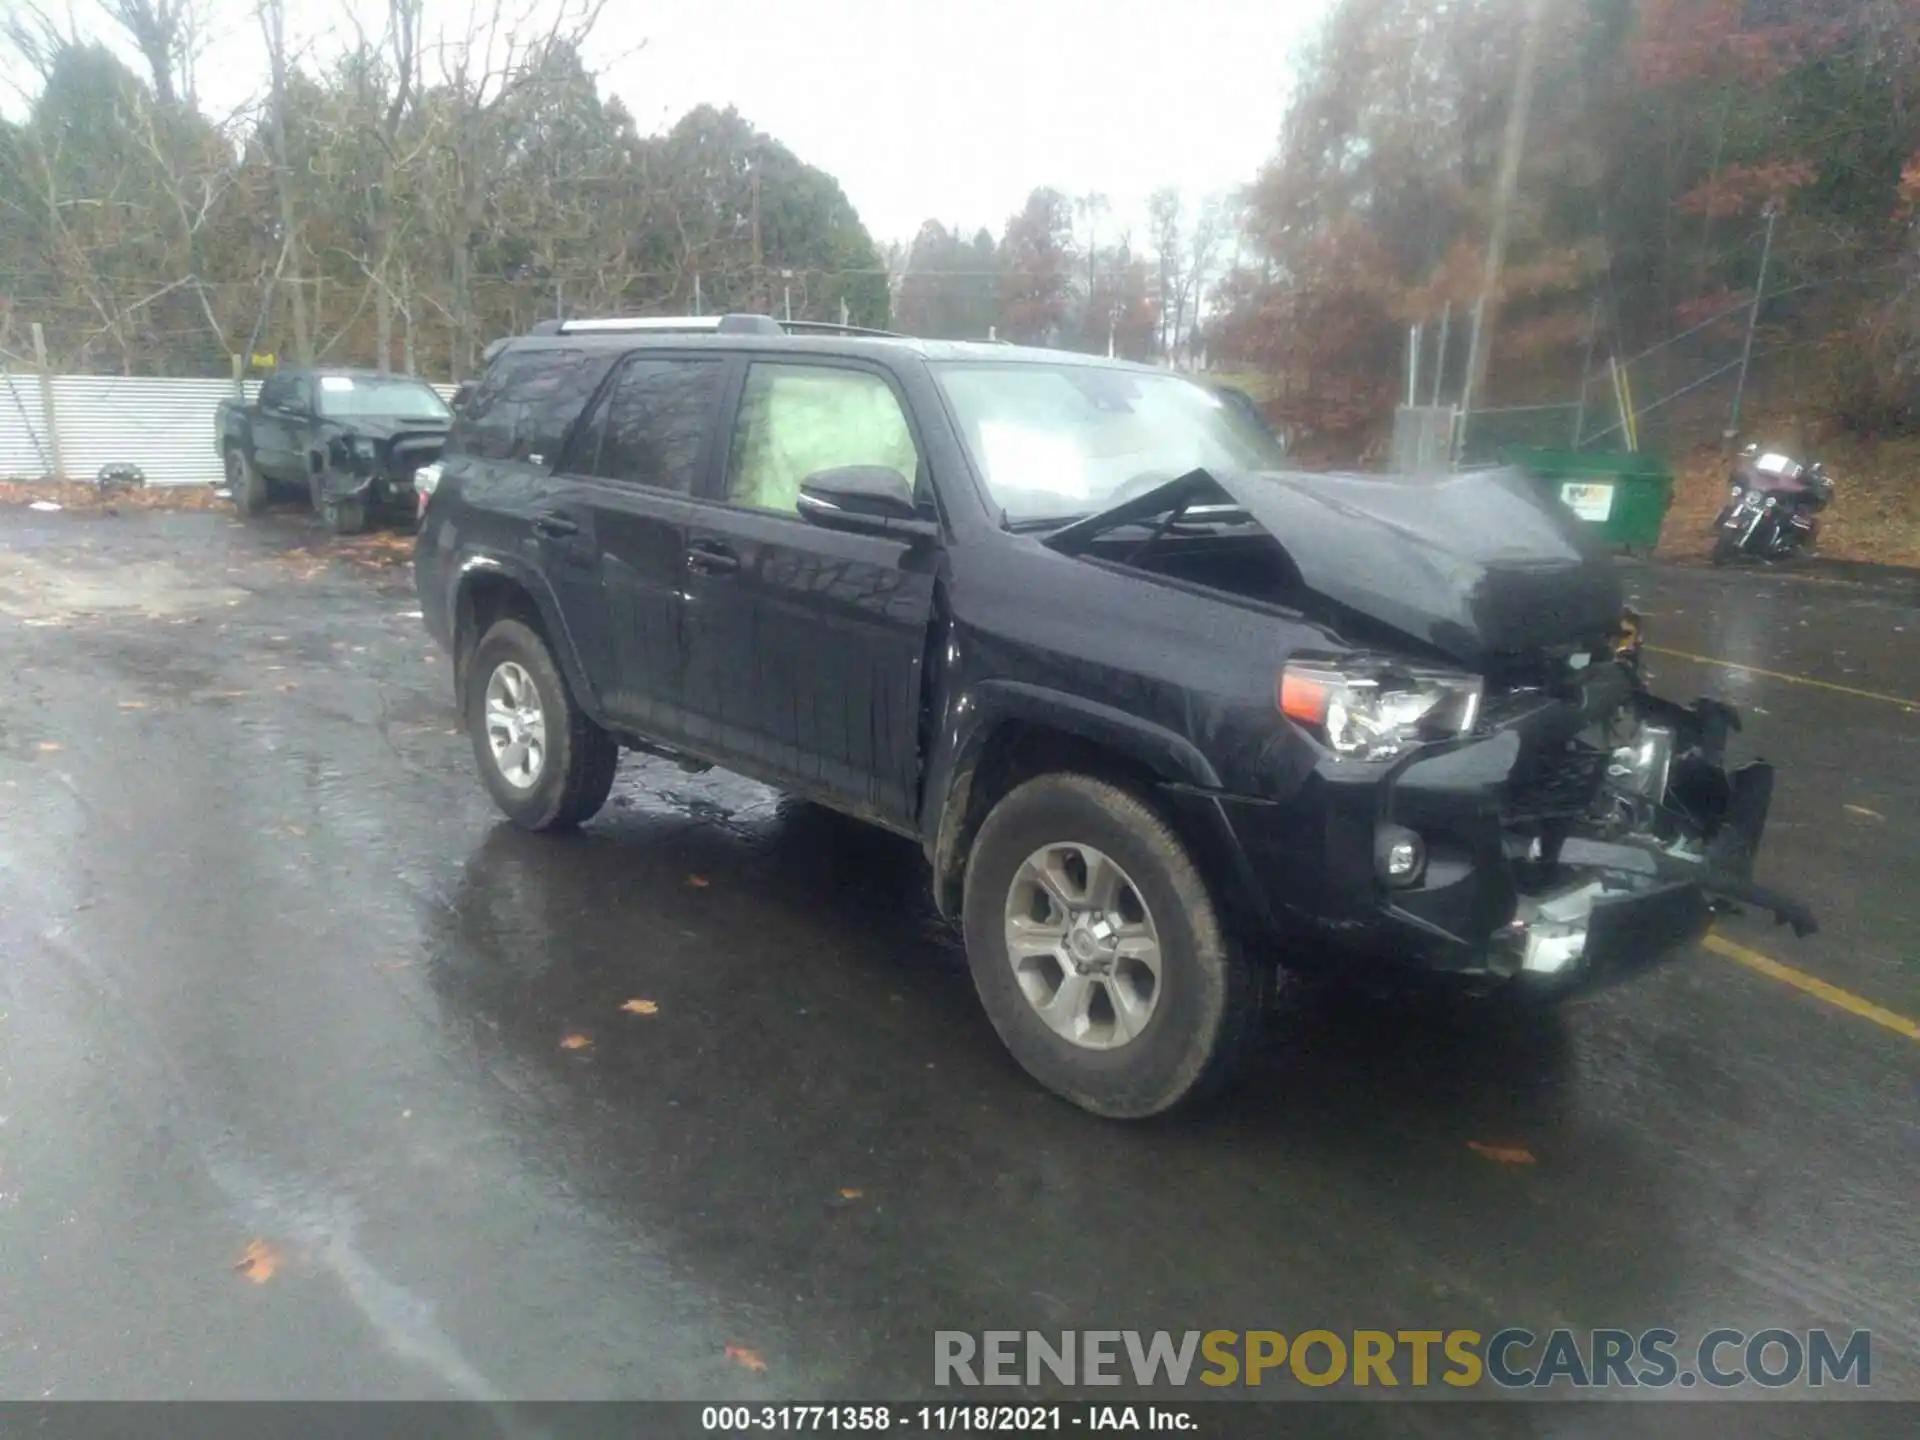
[711, 558]
[556, 526]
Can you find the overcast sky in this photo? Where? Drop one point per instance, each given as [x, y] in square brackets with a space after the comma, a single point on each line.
[953, 109]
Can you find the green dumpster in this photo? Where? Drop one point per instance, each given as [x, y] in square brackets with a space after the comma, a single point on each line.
[1624, 496]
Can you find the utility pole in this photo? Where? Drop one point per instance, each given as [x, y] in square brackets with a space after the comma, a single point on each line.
[1508, 180]
[759, 276]
[1753, 320]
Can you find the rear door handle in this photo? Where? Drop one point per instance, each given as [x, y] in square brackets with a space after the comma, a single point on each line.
[556, 526]
[711, 558]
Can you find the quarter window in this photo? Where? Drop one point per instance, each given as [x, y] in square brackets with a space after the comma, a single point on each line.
[650, 427]
[526, 403]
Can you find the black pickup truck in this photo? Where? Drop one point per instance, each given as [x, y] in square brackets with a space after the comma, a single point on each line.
[350, 440]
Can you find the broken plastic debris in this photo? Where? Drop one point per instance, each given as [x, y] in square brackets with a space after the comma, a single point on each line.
[45, 505]
[223, 493]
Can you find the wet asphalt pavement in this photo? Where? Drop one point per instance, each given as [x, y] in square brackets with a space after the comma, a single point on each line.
[273, 975]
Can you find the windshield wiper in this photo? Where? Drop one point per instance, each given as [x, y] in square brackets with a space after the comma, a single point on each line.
[1041, 522]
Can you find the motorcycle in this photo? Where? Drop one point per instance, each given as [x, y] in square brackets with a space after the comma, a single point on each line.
[1771, 504]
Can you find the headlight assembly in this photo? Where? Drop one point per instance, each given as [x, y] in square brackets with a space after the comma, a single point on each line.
[1375, 709]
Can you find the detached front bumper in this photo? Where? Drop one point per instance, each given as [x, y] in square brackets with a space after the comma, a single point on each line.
[1487, 900]
[1591, 934]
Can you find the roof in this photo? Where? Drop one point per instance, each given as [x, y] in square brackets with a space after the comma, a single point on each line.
[349, 372]
[871, 346]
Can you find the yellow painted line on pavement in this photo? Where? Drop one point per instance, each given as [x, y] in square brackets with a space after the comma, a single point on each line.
[1813, 985]
[1783, 675]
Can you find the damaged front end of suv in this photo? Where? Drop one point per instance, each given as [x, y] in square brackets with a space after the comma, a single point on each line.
[1479, 780]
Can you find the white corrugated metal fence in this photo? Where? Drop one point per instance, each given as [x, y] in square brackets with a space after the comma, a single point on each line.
[165, 426]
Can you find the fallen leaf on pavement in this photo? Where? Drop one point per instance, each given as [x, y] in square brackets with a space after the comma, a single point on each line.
[641, 1007]
[698, 882]
[740, 1355]
[1863, 810]
[849, 1193]
[575, 1042]
[49, 745]
[258, 1262]
[1505, 1154]
[133, 704]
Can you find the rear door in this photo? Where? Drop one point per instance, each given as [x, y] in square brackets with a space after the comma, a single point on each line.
[636, 460]
[804, 645]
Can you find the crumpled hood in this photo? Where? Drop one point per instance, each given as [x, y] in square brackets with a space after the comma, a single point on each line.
[1474, 564]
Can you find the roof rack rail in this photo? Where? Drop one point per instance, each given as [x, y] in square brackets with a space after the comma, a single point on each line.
[829, 327]
[681, 324]
[739, 324]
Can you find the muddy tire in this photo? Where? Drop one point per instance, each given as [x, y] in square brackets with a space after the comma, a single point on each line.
[344, 517]
[546, 764]
[245, 483]
[1099, 954]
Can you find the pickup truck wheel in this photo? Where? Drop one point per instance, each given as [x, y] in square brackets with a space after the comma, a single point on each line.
[1099, 953]
[344, 517]
[245, 483]
[547, 765]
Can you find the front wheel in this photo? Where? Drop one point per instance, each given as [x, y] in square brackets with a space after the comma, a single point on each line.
[547, 765]
[1726, 545]
[345, 517]
[245, 484]
[1099, 954]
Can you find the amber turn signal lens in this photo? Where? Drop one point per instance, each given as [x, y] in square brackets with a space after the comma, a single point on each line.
[1302, 699]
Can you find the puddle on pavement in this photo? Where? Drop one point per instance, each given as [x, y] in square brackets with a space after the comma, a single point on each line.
[34, 589]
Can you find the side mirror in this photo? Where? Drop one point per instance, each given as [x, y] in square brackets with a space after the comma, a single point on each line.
[863, 500]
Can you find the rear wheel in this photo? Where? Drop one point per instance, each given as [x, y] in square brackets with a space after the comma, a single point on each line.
[547, 765]
[1099, 954]
[245, 484]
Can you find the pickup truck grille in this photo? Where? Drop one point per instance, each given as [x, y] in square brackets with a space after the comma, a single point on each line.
[1553, 785]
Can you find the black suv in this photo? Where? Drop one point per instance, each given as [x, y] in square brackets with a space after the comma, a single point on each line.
[1160, 714]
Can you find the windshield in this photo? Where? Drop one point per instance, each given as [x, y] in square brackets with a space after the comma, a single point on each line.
[1057, 441]
[394, 398]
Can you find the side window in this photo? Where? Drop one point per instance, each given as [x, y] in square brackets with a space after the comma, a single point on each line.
[273, 393]
[524, 405]
[650, 426]
[300, 395]
[797, 419]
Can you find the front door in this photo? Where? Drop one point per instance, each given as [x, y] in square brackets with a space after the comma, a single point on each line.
[805, 646]
[634, 464]
[279, 428]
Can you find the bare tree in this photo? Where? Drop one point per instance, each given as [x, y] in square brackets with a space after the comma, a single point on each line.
[273, 26]
[169, 36]
[497, 55]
